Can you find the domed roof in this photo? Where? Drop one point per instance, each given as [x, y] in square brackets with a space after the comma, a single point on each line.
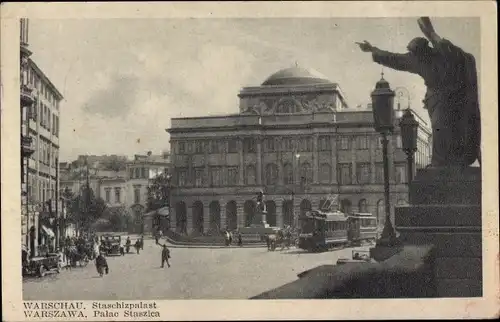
[296, 76]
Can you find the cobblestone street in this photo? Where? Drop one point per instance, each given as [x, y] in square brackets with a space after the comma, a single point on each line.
[196, 273]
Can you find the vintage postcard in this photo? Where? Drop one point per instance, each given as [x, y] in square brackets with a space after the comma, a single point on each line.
[249, 160]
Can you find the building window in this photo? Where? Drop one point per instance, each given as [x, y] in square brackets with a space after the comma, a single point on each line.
[117, 195]
[198, 147]
[107, 192]
[363, 206]
[131, 173]
[182, 176]
[232, 176]
[362, 142]
[137, 194]
[305, 144]
[401, 173]
[144, 173]
[345, 143]
[137, 173]
[288, 173]
[379, 143]
[271, 174]
[232, 145]
[249, 145]
[305, 174]
[379, 173]
[269, 145]
[324, 143]
[363, 173]
[216, 176]
[345, 170]
[399, 142]
[325, 173]
[287, 144]
[198, 177]
[250, 175]
[182, 147]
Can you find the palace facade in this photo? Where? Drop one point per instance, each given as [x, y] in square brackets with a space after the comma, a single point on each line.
[296, 139]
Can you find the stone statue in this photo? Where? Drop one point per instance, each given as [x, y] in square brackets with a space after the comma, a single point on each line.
[452, 94]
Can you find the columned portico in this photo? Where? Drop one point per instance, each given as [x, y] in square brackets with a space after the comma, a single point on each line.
[294, 133]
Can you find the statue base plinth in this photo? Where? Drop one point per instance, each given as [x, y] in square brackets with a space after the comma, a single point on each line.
[445, 211]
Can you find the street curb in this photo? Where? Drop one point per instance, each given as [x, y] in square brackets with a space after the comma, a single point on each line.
[214, 246]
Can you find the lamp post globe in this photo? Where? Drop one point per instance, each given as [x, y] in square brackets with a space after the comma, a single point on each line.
[409, 128]
[383, 106]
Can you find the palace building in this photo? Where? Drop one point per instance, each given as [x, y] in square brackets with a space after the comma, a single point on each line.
[296, 139]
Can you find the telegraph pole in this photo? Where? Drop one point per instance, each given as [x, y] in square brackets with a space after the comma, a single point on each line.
[87, 183]
[58, 236]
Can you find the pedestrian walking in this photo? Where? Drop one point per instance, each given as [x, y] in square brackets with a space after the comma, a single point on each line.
[101, 265]
[240, 240]
[137, 245]
[165, 255]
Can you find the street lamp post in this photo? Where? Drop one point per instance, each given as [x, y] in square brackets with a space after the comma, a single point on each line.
[383, 116]
[296, 218]
[409, 128]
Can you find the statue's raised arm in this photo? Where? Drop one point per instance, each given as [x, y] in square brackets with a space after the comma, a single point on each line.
[451, 99]
[403, 62]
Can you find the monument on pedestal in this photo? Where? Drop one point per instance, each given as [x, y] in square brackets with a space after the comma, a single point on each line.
[445, 197]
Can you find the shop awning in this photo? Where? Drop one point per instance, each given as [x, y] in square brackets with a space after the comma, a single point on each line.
[47, 231]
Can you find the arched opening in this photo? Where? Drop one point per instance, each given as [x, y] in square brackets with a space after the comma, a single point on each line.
[363, 205]
[288, 212]
[249, 208]
[381, 213]
[198, 218]
[231, 215]
[271, 213]
[346, 206]
[181, 217]
[305, 206]
[214, 217]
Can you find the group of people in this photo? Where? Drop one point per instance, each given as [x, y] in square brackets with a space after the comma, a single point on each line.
[138, 245]
[228, 237]
[102, 264]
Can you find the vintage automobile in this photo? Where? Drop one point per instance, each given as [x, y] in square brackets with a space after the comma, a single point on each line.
[358, 256]
[41, 265]
[112, 245]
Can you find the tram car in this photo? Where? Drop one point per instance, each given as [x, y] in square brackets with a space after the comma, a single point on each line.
[325, 230]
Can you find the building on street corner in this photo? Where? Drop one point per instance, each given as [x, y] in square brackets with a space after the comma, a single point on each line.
[296, 138]
[122, 185]
[40, 123]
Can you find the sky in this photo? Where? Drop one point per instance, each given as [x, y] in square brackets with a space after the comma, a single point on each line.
[124, 79]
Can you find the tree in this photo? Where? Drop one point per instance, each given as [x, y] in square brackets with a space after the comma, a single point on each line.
[85, 208]
[115, 163]
[120, 218]
[158, 194]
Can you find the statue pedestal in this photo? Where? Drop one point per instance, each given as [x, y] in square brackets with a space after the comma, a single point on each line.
[445, 211]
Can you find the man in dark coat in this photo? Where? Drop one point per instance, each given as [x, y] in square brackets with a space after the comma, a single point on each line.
[452, 93]
[165, 255]
[101, 265]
